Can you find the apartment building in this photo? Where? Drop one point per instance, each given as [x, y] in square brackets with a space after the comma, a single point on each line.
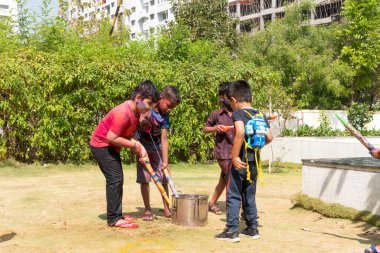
[8, 8]
[141, 16]
[91, 9]
[148, 15]
[145, 16]
[255, 14]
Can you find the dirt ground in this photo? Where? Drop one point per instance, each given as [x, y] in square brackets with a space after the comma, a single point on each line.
[61, 208]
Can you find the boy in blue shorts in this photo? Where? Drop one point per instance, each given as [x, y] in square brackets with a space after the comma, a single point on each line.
[153, 135]
[241, 184]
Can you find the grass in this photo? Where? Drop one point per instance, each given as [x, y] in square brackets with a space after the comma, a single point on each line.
[333, 210]
[61, 208]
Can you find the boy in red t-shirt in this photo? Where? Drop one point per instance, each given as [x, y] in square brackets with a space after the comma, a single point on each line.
[220, 122]
[116, 130]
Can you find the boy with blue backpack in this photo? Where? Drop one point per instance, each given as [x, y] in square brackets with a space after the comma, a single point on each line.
[252, 132]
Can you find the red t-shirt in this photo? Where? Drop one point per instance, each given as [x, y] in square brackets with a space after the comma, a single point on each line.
[121, 120]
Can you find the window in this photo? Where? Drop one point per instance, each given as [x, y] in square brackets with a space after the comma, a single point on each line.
[151, 16]
[112, 5]
[133, 35]
[133, 9]
[132, 22]
[163, 16]
[4, 6]
[151, 2]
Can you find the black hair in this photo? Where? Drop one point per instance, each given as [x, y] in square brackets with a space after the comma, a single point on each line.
[171, 93]
[240, 90]
[223, 88]
[146, 89]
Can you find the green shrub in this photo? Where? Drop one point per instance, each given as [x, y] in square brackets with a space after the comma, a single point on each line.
[359, 115]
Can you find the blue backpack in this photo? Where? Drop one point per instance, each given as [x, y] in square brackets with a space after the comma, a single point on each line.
[256, 130]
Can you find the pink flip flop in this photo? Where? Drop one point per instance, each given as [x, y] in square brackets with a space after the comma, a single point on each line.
[128, 217]
[126, 224]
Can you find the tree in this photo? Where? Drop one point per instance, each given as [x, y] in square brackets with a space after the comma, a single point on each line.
[361, 46]
[305, 56]
[208, 20]
[359, 115]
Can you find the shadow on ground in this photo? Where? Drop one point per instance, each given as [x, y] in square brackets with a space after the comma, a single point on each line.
[7, 237]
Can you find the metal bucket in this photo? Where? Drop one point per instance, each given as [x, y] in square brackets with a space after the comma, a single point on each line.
[190, 210]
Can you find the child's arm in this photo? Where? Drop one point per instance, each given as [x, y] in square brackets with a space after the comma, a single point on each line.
[217, 128]
[238, 142]
[269, 137]
[122, 142]
[210, 125]
[165, 147]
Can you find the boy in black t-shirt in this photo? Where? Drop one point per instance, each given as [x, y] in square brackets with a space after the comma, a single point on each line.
[241, 184]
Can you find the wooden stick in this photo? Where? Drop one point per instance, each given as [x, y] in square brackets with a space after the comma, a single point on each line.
[156, 180]
[355, 133]
[168, 177]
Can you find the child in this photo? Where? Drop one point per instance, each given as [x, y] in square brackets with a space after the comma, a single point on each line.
[153, 135]
[115, 131]
[241, 185]
[220, 122]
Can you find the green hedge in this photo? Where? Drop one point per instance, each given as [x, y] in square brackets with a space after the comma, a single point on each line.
[51, 100]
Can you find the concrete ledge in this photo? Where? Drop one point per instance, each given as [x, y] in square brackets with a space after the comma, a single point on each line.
[351, 182]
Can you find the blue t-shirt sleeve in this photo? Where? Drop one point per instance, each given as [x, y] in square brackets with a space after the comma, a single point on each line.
[166, 122]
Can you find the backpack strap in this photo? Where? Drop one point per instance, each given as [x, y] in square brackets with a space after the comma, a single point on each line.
[246, 147]
[247, 112]
[260, 175]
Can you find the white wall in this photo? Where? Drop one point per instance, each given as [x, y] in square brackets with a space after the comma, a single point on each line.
[294, 149]
[312, 118]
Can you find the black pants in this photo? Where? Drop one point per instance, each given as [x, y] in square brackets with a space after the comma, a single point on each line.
[110, 164]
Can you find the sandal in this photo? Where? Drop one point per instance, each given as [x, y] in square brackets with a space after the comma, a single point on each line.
[128, 225]
[214, 209]
[125, 224]
[148, 217]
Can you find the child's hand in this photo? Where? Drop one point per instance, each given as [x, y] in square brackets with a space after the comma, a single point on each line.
[143, 158]
[375, 153]
[140, 151]
[143, 154]
[165, 166]
[238, 163]
[223, 128]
